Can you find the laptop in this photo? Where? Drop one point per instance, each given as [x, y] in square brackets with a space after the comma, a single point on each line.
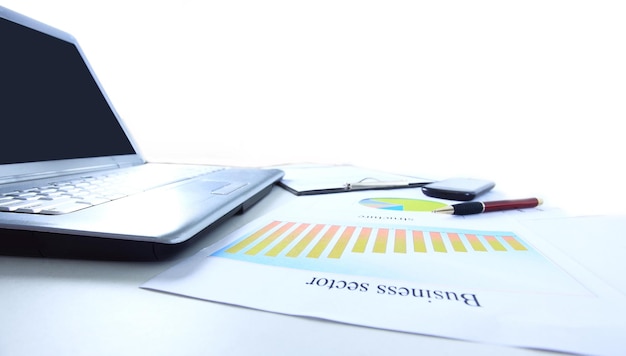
[73, 183]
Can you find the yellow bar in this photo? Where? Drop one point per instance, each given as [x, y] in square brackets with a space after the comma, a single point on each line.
[304, 242]
[514, 243]
[286, 241]
[250, 239]
[380, 245]
[418, 241]
[495, 244]
[400, 242]
[456, 242]
[268, 240]
[438, 245]
[341, 244]
[475, 242]
[361, 242]
[323, 242]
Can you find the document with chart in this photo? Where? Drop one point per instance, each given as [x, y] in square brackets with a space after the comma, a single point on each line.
[380, 259]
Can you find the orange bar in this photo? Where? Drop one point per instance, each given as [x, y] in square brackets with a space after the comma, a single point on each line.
[380, 245]
[323, 242]
[306, 240]
[418, 241]
[268, 240]
[456, 242]
[514, 243]
[250, 239]
[361, 242]
[400, 242]
[286, 241]
[438, 245]
[475, 242]
[495, 244]
[341, 244]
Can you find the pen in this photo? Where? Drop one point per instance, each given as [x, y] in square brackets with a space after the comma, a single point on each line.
[477, 207]
[376, 185]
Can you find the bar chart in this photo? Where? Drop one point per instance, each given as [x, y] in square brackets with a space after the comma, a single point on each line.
[292, 239]
[500, 260]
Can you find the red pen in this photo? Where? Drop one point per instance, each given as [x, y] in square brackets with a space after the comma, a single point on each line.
[477, 207]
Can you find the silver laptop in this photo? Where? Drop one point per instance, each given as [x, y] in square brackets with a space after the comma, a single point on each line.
[72, 181]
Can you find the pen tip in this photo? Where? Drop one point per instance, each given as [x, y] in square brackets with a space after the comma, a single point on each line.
[446, 210]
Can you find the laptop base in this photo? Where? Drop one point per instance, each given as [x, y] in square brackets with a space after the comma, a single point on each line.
[54, 245]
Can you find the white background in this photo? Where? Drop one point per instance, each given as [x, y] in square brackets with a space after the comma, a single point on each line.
[530, 94]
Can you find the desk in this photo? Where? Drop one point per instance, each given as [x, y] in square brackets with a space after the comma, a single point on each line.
[67, 307]
[546, 77]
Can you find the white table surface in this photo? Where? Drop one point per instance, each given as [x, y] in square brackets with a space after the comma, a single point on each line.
[78, 307]
[545, 77]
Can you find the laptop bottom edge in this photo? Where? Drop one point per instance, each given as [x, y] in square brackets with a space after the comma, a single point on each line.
[53, 245]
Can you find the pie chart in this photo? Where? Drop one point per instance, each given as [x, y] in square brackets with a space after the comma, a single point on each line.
[402, 204]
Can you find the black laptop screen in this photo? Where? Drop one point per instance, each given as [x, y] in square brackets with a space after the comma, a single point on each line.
[50, 105]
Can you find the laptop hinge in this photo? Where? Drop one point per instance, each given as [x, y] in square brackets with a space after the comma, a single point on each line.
[48, 174]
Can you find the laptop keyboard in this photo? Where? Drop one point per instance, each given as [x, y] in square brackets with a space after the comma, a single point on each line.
[66, 196]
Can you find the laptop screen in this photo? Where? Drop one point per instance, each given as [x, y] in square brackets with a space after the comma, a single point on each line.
[50, 105]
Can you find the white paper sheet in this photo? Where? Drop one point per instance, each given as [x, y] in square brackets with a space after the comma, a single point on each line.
[358, 258]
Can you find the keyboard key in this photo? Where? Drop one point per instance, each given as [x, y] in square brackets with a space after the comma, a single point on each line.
[68, 207]
[66, 196]
[17, 205]
[6, 205]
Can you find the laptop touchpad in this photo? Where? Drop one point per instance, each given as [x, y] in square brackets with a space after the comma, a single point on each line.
[229, 188]
[219, 188]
